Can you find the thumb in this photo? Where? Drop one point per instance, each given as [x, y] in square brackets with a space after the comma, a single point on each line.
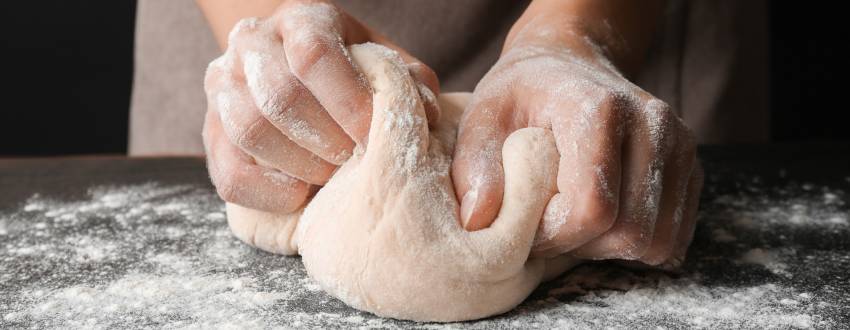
[531, 176]
[531, 172]
[477, 166]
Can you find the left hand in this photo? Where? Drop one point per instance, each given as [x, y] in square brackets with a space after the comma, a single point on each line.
[286, 105]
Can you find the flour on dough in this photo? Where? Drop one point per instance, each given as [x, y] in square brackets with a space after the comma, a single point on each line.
[384, 234]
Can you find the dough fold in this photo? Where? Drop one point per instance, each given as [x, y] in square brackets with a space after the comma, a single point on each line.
[384, 234]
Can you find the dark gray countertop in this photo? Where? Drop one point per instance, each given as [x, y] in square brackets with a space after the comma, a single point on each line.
[139, 243]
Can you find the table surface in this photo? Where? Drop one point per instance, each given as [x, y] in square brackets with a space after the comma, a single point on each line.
[138, 243]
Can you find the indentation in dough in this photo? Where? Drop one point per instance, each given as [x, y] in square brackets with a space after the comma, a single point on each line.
[384, 234]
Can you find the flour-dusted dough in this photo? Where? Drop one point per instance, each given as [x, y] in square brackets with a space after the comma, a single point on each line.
[384, 234]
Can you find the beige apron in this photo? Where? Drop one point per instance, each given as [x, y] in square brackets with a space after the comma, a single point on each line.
[709, 61]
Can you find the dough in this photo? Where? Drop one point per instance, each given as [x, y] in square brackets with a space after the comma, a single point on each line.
[384, 234]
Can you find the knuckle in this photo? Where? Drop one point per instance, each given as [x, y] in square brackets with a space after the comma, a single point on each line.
[293, 95]
[250, 136]
[607, 98]
[280, 106]
[610, 114]
[598, 210]
[226, 186]
[660, 126]
[308, 51]
[608, 107]
[659, 253]
[635, 244]
[242, 29]
[660, 112]
[215, 75]
[295, 9]
[657, 107]
[659, 104]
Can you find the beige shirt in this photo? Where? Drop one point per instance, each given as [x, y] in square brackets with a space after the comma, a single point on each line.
[709, 61]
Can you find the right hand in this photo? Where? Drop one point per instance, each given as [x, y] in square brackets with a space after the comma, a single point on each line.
[286, 105]
[628, 178]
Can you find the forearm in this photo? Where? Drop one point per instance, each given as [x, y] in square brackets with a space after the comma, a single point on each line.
[222, 15]
[622, 29]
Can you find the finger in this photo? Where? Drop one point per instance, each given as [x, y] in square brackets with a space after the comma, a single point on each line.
[250, 131]
[588, 177]
[677, 173]
[646, 145]
[426, 78]
[394, 123]
[314, 47]
[238, 180]
[477, 166]
[427, 93]
[689, 218]
[287, 104]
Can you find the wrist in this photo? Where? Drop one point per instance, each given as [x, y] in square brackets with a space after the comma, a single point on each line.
[570, 36]
[615, 31]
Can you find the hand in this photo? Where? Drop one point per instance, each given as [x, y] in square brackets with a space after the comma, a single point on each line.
[286, 105]
[628, 178]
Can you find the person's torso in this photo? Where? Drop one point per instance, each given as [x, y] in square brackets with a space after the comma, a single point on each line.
[697, 63]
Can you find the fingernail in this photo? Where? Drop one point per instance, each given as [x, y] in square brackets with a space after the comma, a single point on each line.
[467, 205]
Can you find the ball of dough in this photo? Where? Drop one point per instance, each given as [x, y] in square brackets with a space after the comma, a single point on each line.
[384, 234]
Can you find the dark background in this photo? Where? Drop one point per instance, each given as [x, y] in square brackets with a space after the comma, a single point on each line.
[67, 75]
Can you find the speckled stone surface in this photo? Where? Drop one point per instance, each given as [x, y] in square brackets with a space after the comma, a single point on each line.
[143, 243]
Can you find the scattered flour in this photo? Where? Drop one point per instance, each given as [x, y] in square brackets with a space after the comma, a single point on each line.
[179, 300]
[149, 255]
[768, 259]
[793, 206]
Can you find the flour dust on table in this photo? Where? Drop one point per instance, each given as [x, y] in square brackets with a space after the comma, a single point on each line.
[154, 255]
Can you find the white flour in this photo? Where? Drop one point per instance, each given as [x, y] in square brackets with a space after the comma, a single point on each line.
[161, 256]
